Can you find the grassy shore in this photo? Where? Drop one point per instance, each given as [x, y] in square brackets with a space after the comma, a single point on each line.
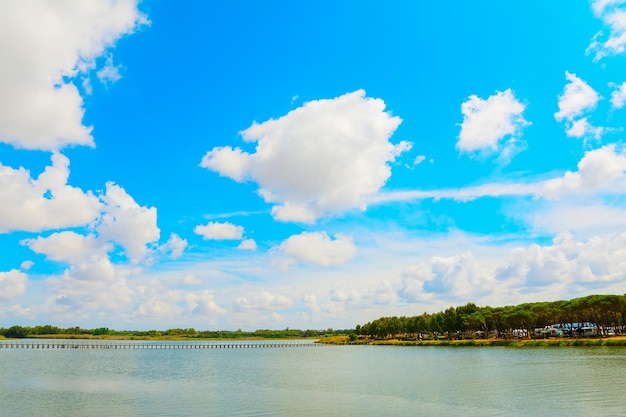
[554, 342]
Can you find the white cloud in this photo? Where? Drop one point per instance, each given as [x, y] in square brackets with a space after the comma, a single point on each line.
[228, 162]
[577, 98]
[294, 212]
[190, 279]
[171, 306]
[247, 244]
[349, 296]
[126, 223]
[219, 231]
[512, 147]
[325, 157]
[600, 171]
[264, 301]
[18, 311]
[310, 301]
[382, 292]
[43, 44]
[203, 304]
[318, 248]
[47, 202]
[89, 289]
[378, 292]
[419, 159]
[598, 6]
[563, 269]
[411, 286]
[613, 15]
[618, 96]
[26, 265]
[582, 128]
[160, 305]
[175, 245]
[458, 276]
[110, 73]
[69, 247]
[487, 122]
[12, 284]
[581, 217]
[568, 264]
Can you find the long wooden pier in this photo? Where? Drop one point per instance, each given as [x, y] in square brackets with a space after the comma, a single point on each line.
[132, 344]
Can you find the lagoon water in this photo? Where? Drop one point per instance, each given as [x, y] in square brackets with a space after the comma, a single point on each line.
[313, 381]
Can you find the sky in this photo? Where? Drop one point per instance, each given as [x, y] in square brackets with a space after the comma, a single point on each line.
[313, 165]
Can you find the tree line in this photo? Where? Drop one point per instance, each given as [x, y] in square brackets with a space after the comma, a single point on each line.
[469, 319]
[16, 332]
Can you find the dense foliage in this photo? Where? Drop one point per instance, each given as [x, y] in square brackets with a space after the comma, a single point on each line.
[48, 330]
[604, 310]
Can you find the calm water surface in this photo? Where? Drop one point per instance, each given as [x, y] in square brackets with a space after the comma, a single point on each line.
[312, 381]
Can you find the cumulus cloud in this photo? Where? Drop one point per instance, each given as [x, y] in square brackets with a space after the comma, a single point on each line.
[18, 311]
[577, 99]
[162, 305]
[190, 279]
[118, 219]
[175, 245]
[600, 170]
[613, 15]
[419, 159]
[318, 248]
[203, 304]
[459, 276]
[48, 202]
[44, 46]
[487, 122]
[127, 223]
[411, 286]
[228, 162]
[88, 289]
[566, 267]
[310, 302]
[618, 96]
[325, 157]
[264, 301]
[379, 292]
[349, 296]
[12, 284]
[26, 265]
[567, 262]
[247, 244]
[109, 73]
[69, 247]
[582, 128]
[219, 231]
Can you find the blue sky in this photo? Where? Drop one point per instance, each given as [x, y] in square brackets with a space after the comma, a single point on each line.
[278, 164]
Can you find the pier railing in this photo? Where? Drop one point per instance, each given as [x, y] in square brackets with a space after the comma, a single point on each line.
[133, 344]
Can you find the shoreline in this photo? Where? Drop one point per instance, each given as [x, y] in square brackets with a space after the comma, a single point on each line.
[551, 342]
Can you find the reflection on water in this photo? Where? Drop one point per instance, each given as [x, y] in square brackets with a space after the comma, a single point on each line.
[346, 380]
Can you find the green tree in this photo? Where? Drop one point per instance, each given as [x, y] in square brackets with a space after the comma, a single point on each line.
[16, 332]
[100, 331]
